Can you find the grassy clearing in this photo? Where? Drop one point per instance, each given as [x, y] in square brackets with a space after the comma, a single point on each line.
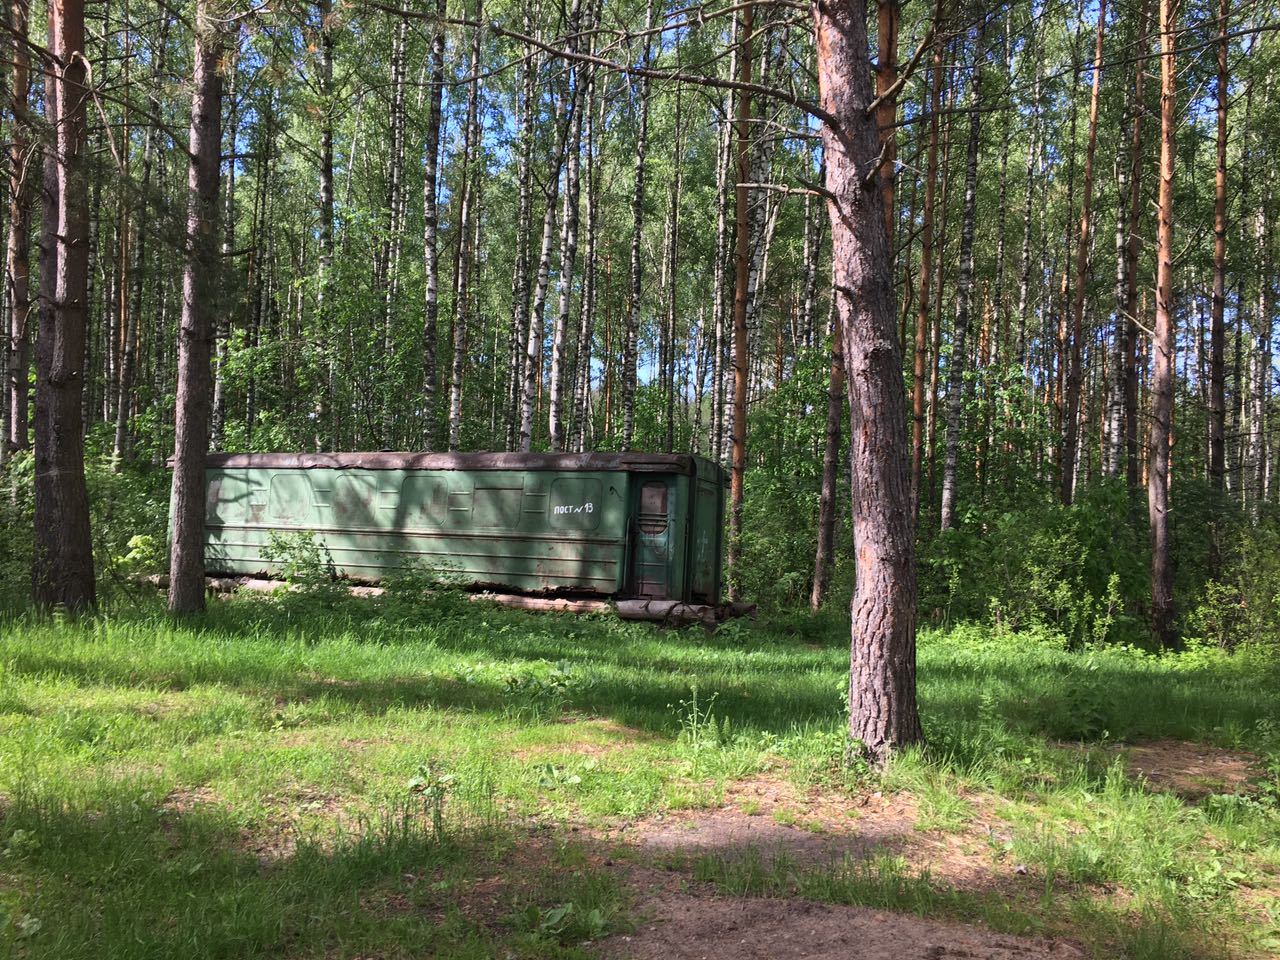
[312, 776]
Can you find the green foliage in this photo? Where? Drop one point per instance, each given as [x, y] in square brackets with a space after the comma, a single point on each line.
[128, 512]
[1077, 571]
[300, 558]
[1243, 604]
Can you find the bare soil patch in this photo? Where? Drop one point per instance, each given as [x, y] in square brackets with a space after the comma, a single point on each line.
[1193, 771]
[687, 927]
[185, 799]
[814, 828]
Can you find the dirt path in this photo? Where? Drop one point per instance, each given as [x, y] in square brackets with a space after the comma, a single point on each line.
[771, 819]
[684, 926]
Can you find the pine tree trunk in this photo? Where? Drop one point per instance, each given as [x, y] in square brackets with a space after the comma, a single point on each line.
[191, 444]
[719, 276]
[1033, 159]
[1217, 336]
[1133, 248]
[62, 575]
[18, 253]
[887, 18]
[222, 325]
[324, 429]
[741, 296]
[1163, 344]
[882, 680]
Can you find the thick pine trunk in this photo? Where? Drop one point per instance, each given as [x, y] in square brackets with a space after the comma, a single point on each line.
[195, 334]
[1163, 343]
[63, 561]
[882, 682]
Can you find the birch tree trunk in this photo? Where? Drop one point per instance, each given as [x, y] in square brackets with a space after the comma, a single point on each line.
[587, 314]
[631, 323]
[926, 284]
[568, 251]
[836, 400]
[463, 262]
[882, 680]
[1071, 440]
[395, 230]
[670, 261]
[191, 444]
[430, 227]
[62, 574]
[520, 273]
[964, 294]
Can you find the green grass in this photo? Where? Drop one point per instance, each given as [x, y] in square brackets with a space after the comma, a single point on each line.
[308, 776]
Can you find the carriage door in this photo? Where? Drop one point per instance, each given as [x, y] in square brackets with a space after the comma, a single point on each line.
[651, 539]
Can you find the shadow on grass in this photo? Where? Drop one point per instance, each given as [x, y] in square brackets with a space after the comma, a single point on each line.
[380, 654]
[118, 873]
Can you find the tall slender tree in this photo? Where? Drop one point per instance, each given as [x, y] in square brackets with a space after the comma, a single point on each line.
[63, 570]
[1163, 343]
[195, 332]
[1217, 329]
[18, 254]
[1067, 476]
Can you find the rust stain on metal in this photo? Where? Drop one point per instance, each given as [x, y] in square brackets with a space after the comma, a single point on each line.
[387, 460]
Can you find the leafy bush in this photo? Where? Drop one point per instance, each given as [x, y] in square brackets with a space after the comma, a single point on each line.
[1079, 571]
[300, 558]
[1242, 605]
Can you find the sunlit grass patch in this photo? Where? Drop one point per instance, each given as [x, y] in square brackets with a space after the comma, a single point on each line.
[155, 774]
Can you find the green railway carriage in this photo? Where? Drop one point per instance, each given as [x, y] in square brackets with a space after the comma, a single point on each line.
[621, 525]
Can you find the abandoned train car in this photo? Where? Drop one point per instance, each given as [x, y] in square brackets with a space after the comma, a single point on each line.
[618, 525]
